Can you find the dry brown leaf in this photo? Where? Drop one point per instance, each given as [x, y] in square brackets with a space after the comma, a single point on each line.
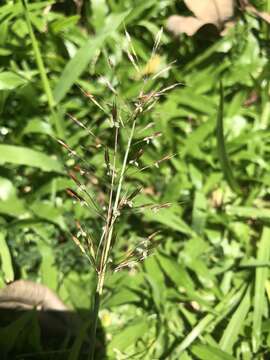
[215, 12]
[184, 24]
[211, 11]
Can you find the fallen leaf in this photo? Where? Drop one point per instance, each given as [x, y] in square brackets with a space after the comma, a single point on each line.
[184, 24]
[215, 12]
[211, 11]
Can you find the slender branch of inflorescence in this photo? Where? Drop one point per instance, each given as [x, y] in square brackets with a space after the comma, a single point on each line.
[113, 211]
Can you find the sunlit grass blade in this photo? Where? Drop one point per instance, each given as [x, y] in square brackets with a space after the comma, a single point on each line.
[42, 70]
[221, 147]
[206, 352]
[234, 327]
[222, 309]
[20, 155]
[249, 212]
[259, 296]
[6, 262]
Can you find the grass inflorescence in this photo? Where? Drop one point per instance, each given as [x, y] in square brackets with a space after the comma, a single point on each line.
[127, 131]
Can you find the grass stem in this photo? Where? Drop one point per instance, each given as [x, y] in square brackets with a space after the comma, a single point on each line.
[94, 323]
[42, 71]
[111, 217]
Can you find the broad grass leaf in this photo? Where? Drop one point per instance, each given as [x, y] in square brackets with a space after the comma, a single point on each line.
[249, 212]
[195, 103]
[176, 272]
[236, 323]
[14, 9]
[79, 62]
[13, 207]
[196, 332]
[20, 155]
[199, 212]
[220, 311]
[99, 13]
[207, 352]
[123, 290]
[48, 269]
[10, 81]
[10, 204]
[261, 277]
[38, 57]
[121, 297]
[78, 289]
[6, 261]
[7, 189]
[125, 339]
[169, 218]
[253, 263]
[64, 23]
[193, 142]
[38, 126]
[221, 148]
[156, 280]
[139, 9]
[199, 267]
[55, 185]
[47, 211]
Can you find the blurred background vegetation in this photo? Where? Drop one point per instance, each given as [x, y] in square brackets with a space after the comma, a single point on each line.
[205, 292]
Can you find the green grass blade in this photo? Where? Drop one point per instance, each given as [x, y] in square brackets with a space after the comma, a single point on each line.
[10, 81]
[40, 64]
[249, 212]
[224, 307]
[20, 155]
[206, 352]
[10, 203]
[6, 262]
[221, 147]
[79, 62]
[42, 71]
[259, 296]
[234, 327]
[196, 332]
[76, 348]
[48, 270]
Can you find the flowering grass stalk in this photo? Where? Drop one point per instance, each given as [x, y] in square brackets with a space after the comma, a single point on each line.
[99, 252]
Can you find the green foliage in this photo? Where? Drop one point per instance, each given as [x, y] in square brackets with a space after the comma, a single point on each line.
[204, 294]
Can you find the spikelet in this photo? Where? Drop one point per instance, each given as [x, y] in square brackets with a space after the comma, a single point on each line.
[139, 253]
[92, 98]
[131, 53]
